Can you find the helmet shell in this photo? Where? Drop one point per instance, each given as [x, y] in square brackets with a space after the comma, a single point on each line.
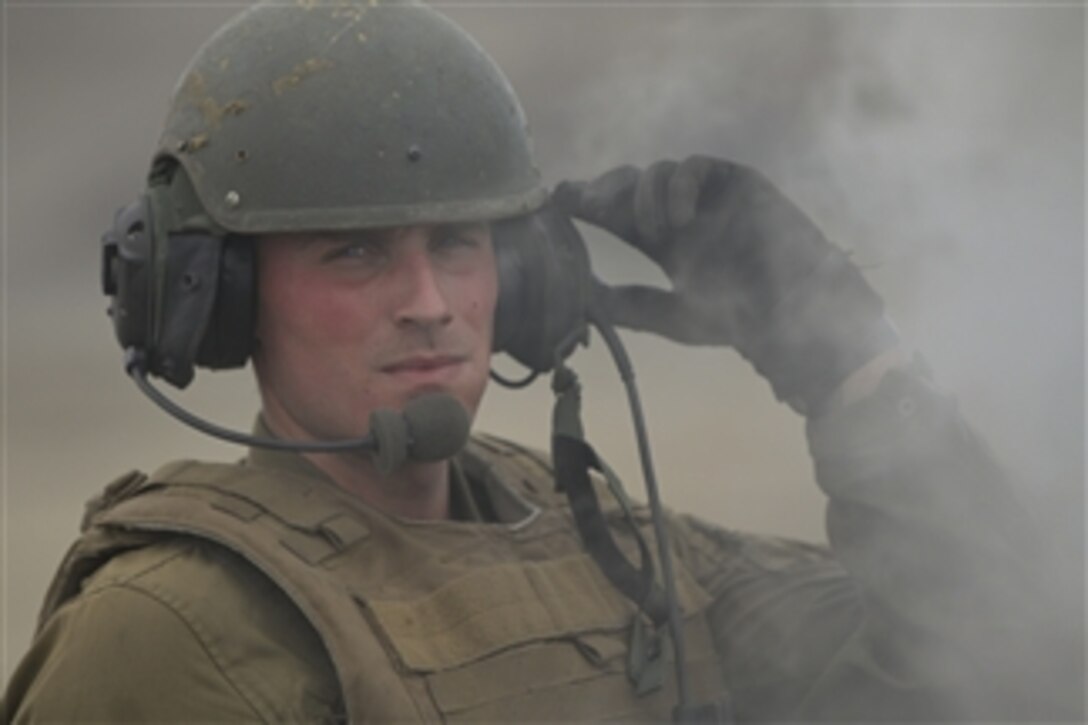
[336, 116]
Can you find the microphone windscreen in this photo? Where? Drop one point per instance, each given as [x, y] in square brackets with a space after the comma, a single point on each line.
[389, 433]
[437, 427]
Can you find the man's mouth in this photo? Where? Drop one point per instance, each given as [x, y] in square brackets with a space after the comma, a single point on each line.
[423, 365]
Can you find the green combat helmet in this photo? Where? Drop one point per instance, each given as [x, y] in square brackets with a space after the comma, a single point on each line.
[334, 116]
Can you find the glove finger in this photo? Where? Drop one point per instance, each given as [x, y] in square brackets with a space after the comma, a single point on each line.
[567, 197]
[686, 187]
[606, 201]
[648, 309]
[651, 212]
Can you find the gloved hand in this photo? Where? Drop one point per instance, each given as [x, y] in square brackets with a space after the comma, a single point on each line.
[748, 269]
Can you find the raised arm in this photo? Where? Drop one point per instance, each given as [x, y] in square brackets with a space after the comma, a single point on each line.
[932, 604]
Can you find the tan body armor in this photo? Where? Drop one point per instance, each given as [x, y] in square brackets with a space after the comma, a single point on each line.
[422, 620]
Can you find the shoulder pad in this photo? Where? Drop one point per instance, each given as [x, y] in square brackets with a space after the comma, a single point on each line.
[116, 491]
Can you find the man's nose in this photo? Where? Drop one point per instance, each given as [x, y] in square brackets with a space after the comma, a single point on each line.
[422, 300]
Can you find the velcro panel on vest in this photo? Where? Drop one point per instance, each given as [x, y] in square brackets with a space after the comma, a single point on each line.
[497, 607]
[502, 606]
[579, 678]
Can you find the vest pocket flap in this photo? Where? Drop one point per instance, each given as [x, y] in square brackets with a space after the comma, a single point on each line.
[499, 607]
[539, 666]
[555, 681]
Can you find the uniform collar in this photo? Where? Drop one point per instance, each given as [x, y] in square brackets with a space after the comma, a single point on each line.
[463, 503]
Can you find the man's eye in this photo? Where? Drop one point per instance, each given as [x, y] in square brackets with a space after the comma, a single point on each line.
[450, 243]
[453, 241]
[362, 250]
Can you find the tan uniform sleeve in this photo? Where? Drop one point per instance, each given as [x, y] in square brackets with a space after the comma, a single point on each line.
[933, 603]
[182, 631]
[122, 655]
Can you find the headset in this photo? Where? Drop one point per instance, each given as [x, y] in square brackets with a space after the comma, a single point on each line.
[183, 294]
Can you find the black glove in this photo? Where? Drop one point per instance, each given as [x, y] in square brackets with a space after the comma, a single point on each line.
[748, 269]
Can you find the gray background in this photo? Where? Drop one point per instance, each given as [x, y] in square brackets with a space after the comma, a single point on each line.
[943, 144]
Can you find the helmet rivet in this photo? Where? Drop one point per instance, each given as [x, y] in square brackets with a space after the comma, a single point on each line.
[415, 153]
[233, 198]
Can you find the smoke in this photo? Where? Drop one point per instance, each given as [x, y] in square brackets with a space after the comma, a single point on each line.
[942, 146]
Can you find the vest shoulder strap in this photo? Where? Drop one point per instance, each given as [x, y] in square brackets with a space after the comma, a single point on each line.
[94, 547]
[285, 526]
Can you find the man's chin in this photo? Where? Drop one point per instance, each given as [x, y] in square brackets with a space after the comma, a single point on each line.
[467, 401]
[409, 388]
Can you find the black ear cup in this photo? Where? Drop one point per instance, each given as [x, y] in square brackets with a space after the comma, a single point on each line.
[188, 300]
[228, 338]
[544, 287]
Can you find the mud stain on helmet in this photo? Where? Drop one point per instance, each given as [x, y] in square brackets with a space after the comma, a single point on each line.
[214, 113]
[300, 73]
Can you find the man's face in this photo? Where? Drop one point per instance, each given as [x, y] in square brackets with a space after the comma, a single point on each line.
[349, 323]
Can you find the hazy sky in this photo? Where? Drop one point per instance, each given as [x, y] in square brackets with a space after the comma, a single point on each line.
[944, 145]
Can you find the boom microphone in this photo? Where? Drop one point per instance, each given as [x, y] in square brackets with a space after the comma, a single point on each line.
[432, 427]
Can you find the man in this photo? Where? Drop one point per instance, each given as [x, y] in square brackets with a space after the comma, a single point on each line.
[373, 162]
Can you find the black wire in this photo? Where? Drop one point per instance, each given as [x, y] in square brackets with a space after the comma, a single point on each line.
[514, 384]
[627, 374]
[135, 366]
